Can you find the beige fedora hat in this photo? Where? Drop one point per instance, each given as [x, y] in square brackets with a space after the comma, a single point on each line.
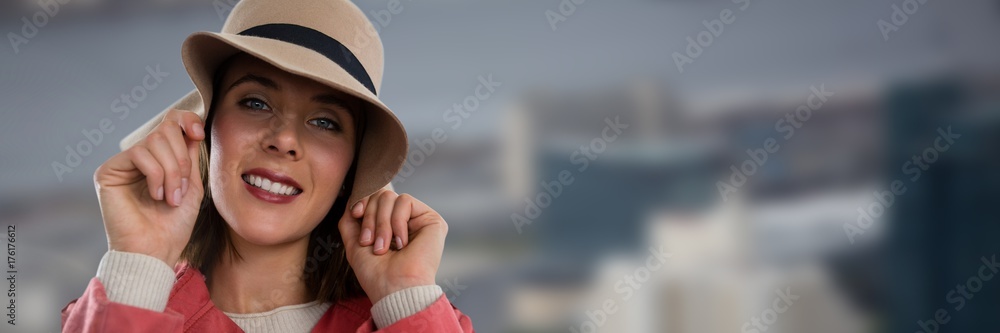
[329, 41]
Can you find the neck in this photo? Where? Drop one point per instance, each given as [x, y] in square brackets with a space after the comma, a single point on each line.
[265, 278]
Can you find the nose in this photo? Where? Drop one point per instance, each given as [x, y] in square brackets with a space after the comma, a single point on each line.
[284, 141]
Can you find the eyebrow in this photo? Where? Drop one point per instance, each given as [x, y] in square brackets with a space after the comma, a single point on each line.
[331, 100]
[256, 79]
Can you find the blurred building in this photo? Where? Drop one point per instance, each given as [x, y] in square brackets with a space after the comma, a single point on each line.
[782, 229]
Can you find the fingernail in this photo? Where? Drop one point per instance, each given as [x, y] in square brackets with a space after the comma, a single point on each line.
[159, 193]
[366, 236]
[184, 186]
[356, 209]
[177, 197]
[379, 243]
[198, 130]
[399, 243]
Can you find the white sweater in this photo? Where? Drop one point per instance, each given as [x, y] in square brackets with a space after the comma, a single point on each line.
[144, 281]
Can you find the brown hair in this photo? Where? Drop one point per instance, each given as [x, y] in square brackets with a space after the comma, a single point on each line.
[326, 272]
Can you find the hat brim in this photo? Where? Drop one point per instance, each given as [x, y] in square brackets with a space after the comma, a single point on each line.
[384, 144]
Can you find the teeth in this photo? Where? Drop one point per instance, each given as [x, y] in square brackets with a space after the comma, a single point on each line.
[268, 185]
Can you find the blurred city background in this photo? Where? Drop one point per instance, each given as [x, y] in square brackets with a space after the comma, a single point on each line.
[808, 166]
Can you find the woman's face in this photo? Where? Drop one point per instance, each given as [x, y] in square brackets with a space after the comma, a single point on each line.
[281, 147]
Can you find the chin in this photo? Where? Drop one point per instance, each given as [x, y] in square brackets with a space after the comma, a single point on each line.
[267, 228]
[255, 222]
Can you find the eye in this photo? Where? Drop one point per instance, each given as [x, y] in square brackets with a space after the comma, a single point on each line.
[326, 124]
[254, 104]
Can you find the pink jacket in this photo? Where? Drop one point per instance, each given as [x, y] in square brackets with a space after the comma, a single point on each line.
[190, 309]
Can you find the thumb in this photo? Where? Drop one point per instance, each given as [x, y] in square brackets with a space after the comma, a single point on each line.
[350, 229]
[194, 187]
[194, 153]
[193, 131]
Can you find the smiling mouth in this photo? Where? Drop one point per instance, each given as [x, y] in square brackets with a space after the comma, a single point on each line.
[270, 186]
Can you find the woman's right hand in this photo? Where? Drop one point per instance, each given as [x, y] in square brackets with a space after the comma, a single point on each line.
[150, 194]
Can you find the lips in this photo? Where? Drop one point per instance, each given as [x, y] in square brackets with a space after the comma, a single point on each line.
[271, 182]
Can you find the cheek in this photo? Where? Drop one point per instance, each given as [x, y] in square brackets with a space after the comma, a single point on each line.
[229, 147]
[330, 166]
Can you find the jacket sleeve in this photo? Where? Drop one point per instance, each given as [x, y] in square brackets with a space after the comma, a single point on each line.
[439, 317]
[129, 294]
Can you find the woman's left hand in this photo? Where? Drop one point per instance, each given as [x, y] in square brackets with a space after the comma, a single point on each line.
[387, 219]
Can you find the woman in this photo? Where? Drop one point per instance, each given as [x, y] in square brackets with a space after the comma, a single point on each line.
[233, 216]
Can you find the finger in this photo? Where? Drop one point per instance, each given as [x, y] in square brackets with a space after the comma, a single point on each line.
[143, 160]
[400, 219]
[418, 211]
[368, 220]
[427, 230]
[383, 228]
[193, 127]
[190, 122]
[358, 212]
[350, 228]
[157, 144]
[175, 138]
[193, 151]
[359, 208]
